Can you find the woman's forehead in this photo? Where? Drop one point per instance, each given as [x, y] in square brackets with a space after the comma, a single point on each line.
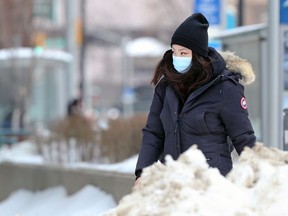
[179, 47]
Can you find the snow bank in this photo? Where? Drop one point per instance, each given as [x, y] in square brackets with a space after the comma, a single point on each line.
[23, 152]
[55, 201]
[258, 185]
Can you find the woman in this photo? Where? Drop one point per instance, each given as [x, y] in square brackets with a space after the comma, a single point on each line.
[198, 99]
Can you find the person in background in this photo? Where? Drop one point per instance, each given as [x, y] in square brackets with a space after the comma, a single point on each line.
[198, 99]
[75, 107]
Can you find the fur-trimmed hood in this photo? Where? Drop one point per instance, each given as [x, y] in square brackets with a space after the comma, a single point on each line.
[239, 65]
[234, 63]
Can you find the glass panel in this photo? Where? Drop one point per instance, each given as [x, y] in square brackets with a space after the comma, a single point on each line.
[250, 50]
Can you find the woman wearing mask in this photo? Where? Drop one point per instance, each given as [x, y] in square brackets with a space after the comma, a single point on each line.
[198, 99]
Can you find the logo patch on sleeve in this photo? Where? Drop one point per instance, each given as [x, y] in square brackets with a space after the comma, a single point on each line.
[243, 103]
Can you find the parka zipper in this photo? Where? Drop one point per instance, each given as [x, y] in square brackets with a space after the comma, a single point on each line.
[176, 126]
[177, 134]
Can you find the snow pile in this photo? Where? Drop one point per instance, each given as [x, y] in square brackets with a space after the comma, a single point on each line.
[55, 201]
[258, 185]
[22, 152]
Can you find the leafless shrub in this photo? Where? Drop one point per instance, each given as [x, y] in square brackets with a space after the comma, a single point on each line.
[70, 139]
[122, 138]
[79, 131]
[73, 139]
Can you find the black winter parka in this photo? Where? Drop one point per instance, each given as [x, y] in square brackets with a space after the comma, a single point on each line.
[212, 113]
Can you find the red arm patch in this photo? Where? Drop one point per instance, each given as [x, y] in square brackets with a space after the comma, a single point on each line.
[243, 103]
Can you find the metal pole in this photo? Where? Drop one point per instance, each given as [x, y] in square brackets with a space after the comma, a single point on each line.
[240, 13]
[127, 101]
[273, 82]
[70, 46]
[285, 127]
[83, 51]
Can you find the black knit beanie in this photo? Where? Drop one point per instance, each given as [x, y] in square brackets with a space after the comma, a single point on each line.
[192, 34]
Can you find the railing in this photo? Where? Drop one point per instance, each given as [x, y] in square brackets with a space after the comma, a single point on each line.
[11, 136]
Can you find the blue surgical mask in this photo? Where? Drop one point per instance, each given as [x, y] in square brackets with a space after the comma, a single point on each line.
[181, 63]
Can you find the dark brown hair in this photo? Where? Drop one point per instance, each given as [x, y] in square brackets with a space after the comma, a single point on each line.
[184, 84]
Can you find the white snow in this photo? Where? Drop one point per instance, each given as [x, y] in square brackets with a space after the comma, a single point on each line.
[24, 53]
[145, 46]
[89, 201]
[23, 152]
[257, 186]
[55, 201]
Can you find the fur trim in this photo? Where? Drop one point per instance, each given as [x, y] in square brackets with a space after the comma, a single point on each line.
[238, 65]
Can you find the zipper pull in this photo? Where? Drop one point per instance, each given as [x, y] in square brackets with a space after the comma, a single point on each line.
[176, 126]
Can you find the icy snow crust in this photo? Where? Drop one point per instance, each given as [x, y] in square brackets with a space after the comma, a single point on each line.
[257, 186]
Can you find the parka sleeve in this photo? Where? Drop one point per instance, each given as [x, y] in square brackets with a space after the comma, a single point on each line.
[235, 116]
[153, 133]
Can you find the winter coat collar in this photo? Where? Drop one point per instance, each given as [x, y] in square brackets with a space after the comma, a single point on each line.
[232, 62]
[238, 65]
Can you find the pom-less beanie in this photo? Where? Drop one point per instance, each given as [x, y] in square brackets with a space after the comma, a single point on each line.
[192, 34]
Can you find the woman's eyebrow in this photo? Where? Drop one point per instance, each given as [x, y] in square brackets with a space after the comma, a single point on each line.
[183, 49]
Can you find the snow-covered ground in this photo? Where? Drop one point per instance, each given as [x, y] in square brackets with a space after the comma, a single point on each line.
[257, 186]
[89, 201]
[55, 202]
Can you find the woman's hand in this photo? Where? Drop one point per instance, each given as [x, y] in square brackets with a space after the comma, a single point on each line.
[137, 182]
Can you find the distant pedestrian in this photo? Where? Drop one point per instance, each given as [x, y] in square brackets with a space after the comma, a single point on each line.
[74, 107]
[198, 99]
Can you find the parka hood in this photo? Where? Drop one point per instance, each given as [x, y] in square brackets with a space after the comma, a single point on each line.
[233, 63]
[239, 65]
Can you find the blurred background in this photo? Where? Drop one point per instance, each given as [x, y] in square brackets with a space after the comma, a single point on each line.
[96, 58]
[75, 74]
